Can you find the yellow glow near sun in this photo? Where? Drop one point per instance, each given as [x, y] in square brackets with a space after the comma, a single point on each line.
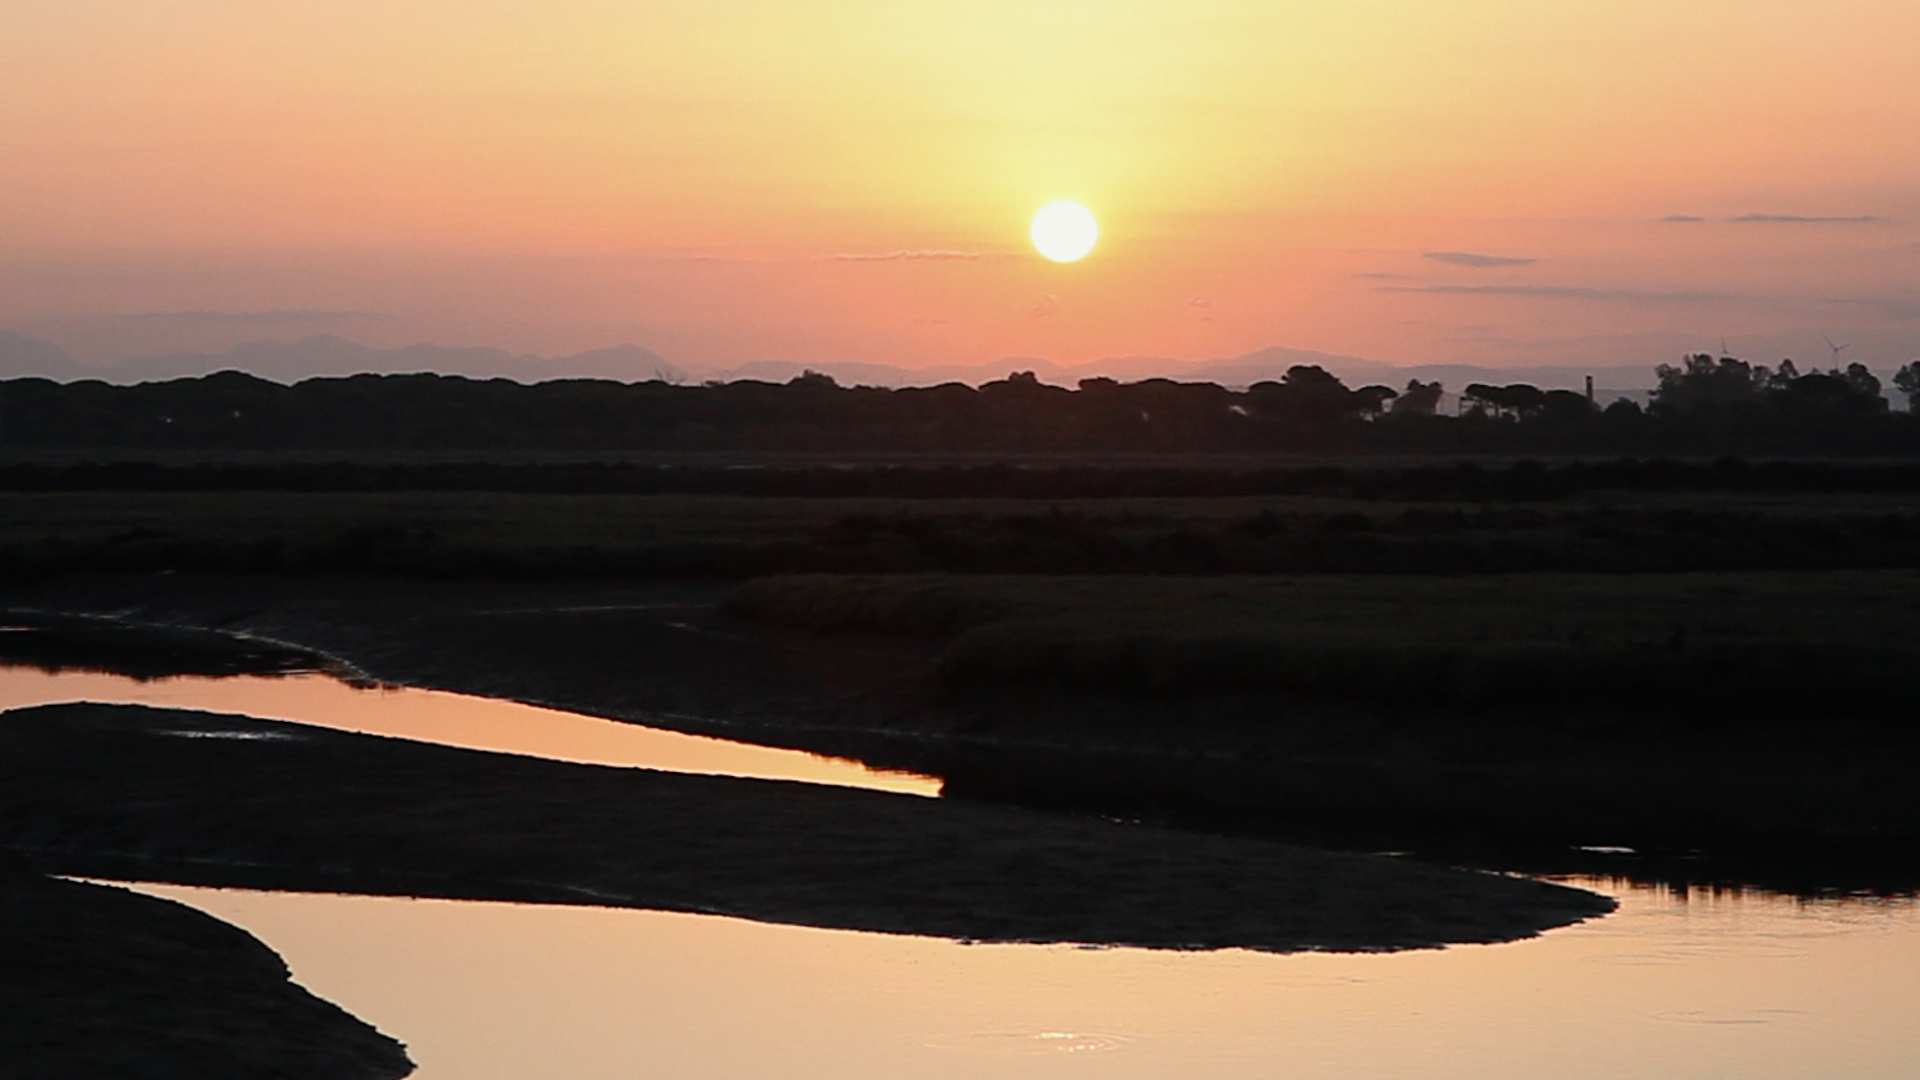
[1064, 231]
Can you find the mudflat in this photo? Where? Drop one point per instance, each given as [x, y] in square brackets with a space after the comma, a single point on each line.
[1542, 770]
[102, 982]
[199, 798]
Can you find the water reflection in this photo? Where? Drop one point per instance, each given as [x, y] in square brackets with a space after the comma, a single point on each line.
[1700, 983]
[509, 727]
[450, 720]
[1693, 984]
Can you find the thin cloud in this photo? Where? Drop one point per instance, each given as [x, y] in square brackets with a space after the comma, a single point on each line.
[1683, 217]
[1889, 306]
[1567, 292]
[1798, 219]
[1382, 275]
[897, 256]
[1048, 305]
[1475, 259]
[1200, 302]
[256, 318]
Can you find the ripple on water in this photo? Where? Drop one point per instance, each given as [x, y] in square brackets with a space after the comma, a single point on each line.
[1027, 1043]
[1706, 1016]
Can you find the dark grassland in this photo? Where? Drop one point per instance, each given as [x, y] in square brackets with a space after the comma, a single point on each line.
[1763, 644]
[1743, 714]
[1802, 799]
[1687, 652]
[611, 521]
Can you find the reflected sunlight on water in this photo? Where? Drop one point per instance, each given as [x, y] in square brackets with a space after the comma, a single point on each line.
[1701, 984]
[453, 720]
[1747, 986]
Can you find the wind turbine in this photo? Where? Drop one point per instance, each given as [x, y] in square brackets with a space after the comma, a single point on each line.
[1835, 357]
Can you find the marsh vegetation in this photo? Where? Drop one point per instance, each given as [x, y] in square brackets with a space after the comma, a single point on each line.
[1061, 517]
[1709, 645]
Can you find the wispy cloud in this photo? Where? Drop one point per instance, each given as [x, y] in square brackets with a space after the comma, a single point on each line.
[1798, 219]
[1049, 304]
[1888, 306]
[1475, 259]
[897, 256]
[1382, 275]
[256, 318]
[1568, 292]
[1784, 219]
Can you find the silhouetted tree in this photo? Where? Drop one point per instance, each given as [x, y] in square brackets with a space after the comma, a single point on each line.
[1306, 394]
[813, 380]
[1420, 399]
[1836, 393]
[1518, 401]
[1863, 381]
[1706, 384]
[1713, 405]
[1907, 381]
[1565, 407]
[1372, 399]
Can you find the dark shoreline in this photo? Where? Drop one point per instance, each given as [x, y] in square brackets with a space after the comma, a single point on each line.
[101, 791]
[116, 791]
[102, 982]
[1777, 811]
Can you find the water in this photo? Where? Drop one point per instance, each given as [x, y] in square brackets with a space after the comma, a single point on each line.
[453, 720]
[1705, 987]
[1676, 984]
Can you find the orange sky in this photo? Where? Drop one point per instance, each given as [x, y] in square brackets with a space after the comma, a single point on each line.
[694, 177]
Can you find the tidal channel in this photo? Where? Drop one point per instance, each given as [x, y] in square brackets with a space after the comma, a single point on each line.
[1678, 983]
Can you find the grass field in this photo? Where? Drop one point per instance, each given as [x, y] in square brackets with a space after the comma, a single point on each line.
[1801, 643]
[481, 534]
[1764, 601]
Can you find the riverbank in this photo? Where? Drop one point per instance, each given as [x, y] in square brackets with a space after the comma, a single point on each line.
[1452, 782]
[103, 982]
[197, 798]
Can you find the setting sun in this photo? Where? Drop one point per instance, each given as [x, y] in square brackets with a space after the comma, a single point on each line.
[1064, 231]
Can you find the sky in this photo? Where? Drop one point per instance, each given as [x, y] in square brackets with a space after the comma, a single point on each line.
[1485, 181]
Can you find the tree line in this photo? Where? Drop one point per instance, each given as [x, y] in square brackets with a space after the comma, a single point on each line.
[1705, 405]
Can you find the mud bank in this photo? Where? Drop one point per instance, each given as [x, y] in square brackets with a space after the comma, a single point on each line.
[199, 798]
[102, 982]
[1343, 774]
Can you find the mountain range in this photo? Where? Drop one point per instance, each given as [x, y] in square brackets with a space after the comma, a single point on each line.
[328, 355]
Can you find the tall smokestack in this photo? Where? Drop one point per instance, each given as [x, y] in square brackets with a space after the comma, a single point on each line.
[1589, 389]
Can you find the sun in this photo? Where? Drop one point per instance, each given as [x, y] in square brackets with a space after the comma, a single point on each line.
[1064, 231]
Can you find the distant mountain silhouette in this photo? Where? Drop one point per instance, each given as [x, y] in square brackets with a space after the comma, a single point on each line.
[1269, 364]
[329, 355]
[854, 373]
[24, 357]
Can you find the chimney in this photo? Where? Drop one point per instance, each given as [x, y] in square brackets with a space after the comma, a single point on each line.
[1589, 389]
